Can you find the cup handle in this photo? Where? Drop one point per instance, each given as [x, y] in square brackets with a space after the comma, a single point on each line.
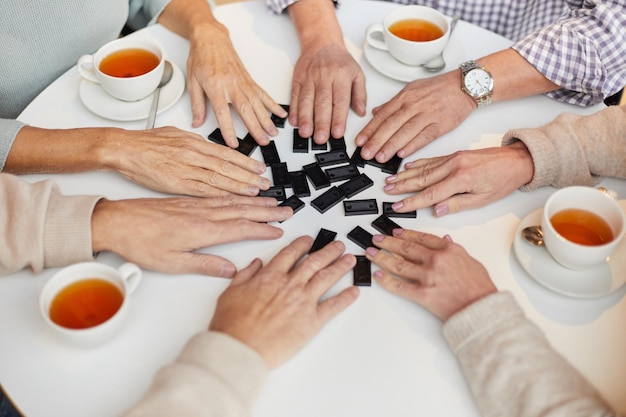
[374, 36]
[86, 68]
[130, 273]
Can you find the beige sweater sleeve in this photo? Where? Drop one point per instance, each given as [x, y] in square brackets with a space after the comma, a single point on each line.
[214, 376]
[511, 368]
[39, 227]
[576, 150]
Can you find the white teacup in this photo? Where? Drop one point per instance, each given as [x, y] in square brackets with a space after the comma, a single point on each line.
[409, 52]
[580, 246]
[86, 302]
[129, 83]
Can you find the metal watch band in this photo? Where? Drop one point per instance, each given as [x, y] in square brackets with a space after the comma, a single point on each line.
[466, 67]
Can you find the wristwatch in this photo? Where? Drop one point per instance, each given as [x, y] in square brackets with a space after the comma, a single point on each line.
[477, 82]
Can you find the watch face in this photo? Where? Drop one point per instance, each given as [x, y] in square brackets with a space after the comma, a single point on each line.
[478, 82]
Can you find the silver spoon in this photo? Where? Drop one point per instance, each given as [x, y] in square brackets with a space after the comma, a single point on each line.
[168, 70]
[533, 234]
[437, 64]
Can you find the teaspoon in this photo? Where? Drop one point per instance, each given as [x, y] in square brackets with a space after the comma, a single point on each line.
[438, 63]
[533, 234]
[168, 70]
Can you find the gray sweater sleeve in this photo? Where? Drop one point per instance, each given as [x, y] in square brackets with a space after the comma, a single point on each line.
[8, 131]
[511, 368]
[576, 150]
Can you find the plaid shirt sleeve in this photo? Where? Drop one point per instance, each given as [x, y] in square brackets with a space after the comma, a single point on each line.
[584, 52]
[278, 6]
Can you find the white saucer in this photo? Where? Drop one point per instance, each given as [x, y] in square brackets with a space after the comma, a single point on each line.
[104, 105]
[387, 65]
[593, 282]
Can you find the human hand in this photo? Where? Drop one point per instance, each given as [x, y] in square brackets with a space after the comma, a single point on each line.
[276, 309]
[421, 112]
[174, 161]
[432, 271]
[327, 82]
[462, 180]
[163, 234]
[214, 69]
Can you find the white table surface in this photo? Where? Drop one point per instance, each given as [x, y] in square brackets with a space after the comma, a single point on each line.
[384, 355]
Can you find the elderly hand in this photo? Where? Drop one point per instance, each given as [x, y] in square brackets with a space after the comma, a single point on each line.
[276, 309]
[420, 113]
[214, 69]
[174, 161]
[432, 271]
[463, 180]
[327, 81]
[163, 234]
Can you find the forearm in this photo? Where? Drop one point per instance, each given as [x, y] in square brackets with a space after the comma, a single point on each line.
[187, 17]
[37, 150]
[514, 77]
[315, 22]
[511, 368]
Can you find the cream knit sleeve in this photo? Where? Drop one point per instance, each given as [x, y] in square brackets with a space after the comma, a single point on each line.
[40, 227]
[576, 150]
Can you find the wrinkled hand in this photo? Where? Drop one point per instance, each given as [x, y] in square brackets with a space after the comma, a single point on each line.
[421, 112]
[327, 81]
[174, 161]
[275, 309]
[163, 234]
[214, 69]
[432, 271]
[462, 180]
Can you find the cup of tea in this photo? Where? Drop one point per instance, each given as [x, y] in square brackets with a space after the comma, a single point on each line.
[582, 226]
[86, 302]
[411, 34]
[129, 69]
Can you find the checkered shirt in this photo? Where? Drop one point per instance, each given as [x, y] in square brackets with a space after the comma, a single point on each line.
[579, 45]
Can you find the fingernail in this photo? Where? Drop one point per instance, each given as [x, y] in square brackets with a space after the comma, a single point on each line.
[259, 167]
[441, 210]
[409, 164]
[253, 190]
[397, 232]
[380, 156]
[228, 271]
[402, 153]
[378, 274]
[366, 154]
[305, 131]
[371, 251]
[359, 141]
[397, 205]
[273, 131]
[391, 178]
[389, 187]
[448, 238]
[337, 132]
[320, 136]
[264, 183]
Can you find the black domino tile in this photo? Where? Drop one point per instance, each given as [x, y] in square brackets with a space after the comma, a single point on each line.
[329, 199]
[360, 207]
[361, 237]
[388, 211]
[362, 272]
[324, 237]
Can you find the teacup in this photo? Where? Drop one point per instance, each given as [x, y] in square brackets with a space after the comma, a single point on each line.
[582, 226]
[411, 34]
[129, 69]
[86, 302]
